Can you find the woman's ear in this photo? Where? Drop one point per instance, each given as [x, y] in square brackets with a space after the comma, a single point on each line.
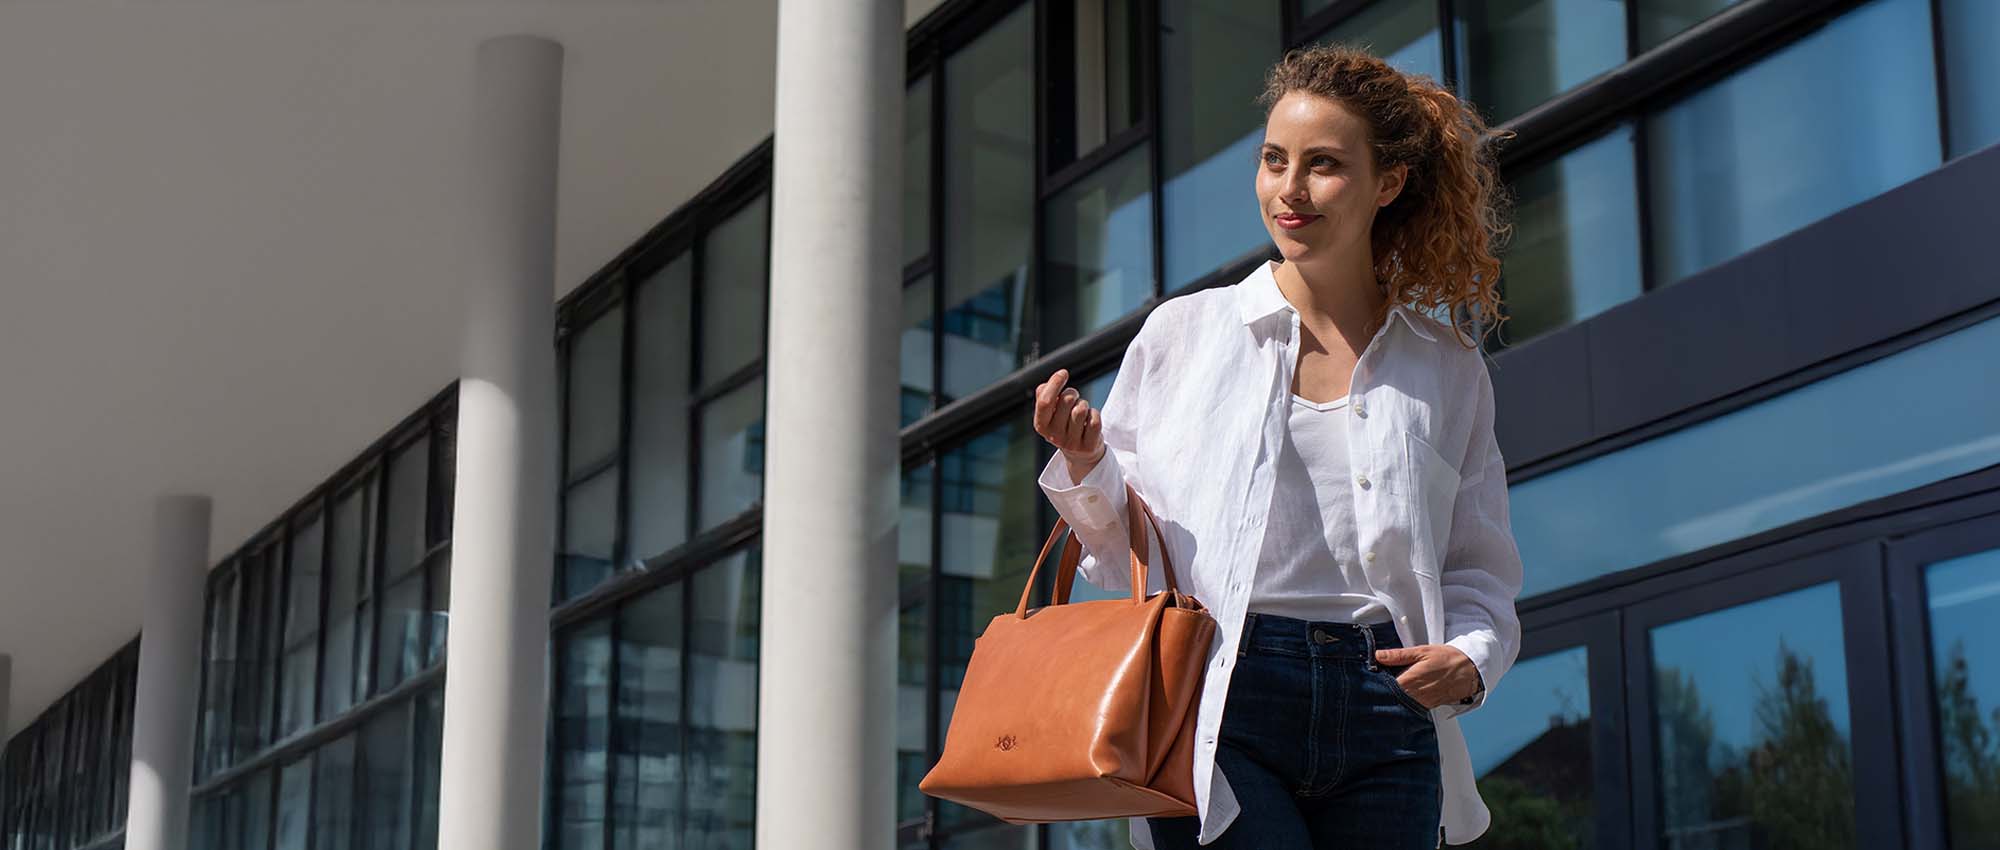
[1391, 185]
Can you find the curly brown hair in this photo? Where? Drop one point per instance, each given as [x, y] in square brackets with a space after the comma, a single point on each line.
[1434, 246]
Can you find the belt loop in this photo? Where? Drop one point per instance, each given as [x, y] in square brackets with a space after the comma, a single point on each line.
[1368, 633]
[1243, 640]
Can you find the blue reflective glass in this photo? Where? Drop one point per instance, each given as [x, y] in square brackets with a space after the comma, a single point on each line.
[1660, 20]
[1575, 249]
[1518, 53]
[1900, 422]
[1098, 238]
[1965, 676]
[1530, 746]
[1834, 119]
[1971, 29]
[1752, 727]
[1403, 33]
[1213, 56]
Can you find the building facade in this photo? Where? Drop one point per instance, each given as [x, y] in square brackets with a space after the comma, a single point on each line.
[1749, 395]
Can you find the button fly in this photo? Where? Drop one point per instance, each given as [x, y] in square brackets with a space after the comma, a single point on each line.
[1322, 636]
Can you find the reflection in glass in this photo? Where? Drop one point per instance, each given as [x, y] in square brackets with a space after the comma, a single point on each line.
[333, 796]
[294, 804]
[1800, 454]
[988, 203]
[582, 723]
[735, 269]
[221, 663]
[256, 816]
[1518, 53]
[1660, 20]
[1099, 245]
[722, 702]
[1575, 249]
[1970, 29]
[1964, 596]
[594, 359]
[732, 453]
[916, 353]
[647, 766]
[1095, 391]
[1404, 34]
[1746, 160]
[913, 581]
[590, 529]
[1094, 47]
[343, 680]
[656, 518]
[1213, 56]
[997, 836]
[386, 785]
[1753, 742]
[430, 753]
[917, 170]
[440, 607]
[1530, 748]
[400, 641]
[1090, 835]
[990, 518]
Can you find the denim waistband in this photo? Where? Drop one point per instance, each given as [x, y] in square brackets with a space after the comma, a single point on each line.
[1271, 634]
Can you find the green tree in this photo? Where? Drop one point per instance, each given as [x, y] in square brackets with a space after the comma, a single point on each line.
[1801, 784]
[1686, 740]
[1971, 754]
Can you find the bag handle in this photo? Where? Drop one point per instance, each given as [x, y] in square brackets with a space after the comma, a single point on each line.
[1136, 550]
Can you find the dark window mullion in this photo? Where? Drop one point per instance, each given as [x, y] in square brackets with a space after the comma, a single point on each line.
[1943, 80]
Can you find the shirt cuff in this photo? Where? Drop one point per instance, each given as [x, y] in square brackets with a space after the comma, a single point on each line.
[1476, 649]
[1096, 502]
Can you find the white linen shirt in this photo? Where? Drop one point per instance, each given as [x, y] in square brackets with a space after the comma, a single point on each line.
[1192, 423]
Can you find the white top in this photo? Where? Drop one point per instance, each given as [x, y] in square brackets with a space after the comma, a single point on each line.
[1203, 391]
[1309, 567]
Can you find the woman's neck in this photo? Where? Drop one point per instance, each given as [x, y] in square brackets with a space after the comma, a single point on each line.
[1341, 296]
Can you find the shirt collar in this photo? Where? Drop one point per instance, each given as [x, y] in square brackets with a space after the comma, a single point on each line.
[1258, 296]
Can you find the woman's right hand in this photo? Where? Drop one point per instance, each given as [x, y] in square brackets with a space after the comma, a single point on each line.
[1066, 420]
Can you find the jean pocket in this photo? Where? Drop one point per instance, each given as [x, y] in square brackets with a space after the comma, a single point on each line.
[1402, 696]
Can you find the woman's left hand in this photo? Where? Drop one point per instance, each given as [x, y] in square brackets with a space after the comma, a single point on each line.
[1438, 673]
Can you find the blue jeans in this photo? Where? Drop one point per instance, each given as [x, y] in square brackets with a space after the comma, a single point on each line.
[1321, 746]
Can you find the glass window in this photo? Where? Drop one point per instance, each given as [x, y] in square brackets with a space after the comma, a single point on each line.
[913, 582]
[333, 797]
[1404, 34]
[257, 811]
[917, 170]
[400, 642]
[301, 661]
[1660, 20]
[990, 530]
[732, 453]
[918, 359]
[989, 152]
[1970, 29]
[1213, 57]
[1753, 743]
[430, 753]
[1099, 242]
[1089, 835]
[722, 702]
[1518, 53]
[440, 607]
[1575, 248]
[248, 713]
[1531, 750]
[385, 782]
[294, 804]
[1747, 160]
[582, 723]
[735, 271]
[1801, 454]
[997, 836]
[1095, 390]
[343, 681]
[594, 373]
[1964, 595]
[1094, 53]
[647, 767]
[657, 517]
[590, 530]
[222, 613]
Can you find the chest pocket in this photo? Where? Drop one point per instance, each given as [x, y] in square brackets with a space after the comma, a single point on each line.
[1427, 488]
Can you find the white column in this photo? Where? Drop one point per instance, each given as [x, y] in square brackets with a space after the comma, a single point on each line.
[163, 715]
[826, 685]
[495, 697]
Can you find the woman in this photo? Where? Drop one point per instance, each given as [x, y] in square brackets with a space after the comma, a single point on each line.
[1320, 453]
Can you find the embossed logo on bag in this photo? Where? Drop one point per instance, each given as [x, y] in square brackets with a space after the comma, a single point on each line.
[1006, 743]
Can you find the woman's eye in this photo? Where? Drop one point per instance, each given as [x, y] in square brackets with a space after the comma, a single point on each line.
[1273, 159]
[1323, 159]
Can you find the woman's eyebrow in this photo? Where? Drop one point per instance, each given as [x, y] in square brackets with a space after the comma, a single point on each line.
[1311, 150]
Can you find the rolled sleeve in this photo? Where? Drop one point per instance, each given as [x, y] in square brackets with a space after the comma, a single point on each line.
[1482, 565]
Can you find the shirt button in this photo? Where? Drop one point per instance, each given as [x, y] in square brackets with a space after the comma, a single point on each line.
[1360, 410]
[1362, 480]
[1370, 557]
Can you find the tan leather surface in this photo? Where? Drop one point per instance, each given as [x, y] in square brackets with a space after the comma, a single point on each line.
[1081, 711]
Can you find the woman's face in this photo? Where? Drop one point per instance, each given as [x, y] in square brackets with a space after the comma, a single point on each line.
[1316, 182]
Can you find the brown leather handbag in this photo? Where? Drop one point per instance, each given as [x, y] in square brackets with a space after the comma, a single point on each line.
[1081, 711]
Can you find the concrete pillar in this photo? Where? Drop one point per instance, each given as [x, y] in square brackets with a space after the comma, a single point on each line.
[503, 546]
[826, 685]
[163, 715]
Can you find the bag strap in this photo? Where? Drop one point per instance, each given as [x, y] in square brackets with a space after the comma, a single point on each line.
[1136, 550]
